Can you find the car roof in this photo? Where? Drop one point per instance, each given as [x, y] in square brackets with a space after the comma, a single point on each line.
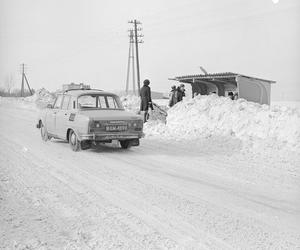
[79, 92]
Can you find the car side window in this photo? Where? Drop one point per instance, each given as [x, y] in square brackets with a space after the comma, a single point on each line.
[58, 101]
[65, 103]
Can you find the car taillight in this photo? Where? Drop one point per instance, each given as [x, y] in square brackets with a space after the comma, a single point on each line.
[136, 125]
[97, 124]
[94, 125]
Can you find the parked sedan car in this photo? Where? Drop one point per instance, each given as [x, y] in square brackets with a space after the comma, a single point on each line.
[84, 117]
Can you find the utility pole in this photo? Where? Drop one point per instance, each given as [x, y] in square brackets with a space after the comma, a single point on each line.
[28, 84]
[24, 78]
[130, 58]
[137, 56]
[137, 41]
[22, 86]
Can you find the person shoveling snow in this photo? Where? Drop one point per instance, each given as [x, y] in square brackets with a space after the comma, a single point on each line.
[146, 101]
[132, 103]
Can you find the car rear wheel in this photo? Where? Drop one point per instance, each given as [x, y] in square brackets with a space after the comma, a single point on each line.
[74, 142]
[125, 144]
[44, 133]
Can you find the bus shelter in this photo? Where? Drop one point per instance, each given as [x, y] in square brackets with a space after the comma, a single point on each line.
[247, 87]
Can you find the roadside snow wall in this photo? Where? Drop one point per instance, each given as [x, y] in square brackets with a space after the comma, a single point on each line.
[205, 116]
[41, 98]
[131, 103]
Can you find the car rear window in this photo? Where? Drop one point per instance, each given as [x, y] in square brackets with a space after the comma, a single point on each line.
[99, 102]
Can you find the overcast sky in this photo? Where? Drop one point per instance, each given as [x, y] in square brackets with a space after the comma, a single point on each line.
[64, 41]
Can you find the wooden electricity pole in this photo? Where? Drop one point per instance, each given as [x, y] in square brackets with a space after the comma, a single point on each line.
[130, 57]
[22, 86]
[137, 56]
[137, 41]
[24, 78]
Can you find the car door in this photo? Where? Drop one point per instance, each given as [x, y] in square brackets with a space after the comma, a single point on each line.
[62, 117]
[51, 115]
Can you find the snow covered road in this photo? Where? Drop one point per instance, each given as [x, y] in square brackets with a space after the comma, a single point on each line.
[207, 194]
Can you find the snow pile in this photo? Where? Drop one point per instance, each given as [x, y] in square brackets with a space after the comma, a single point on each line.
[131, 103]
[41, 98]
[206, 116]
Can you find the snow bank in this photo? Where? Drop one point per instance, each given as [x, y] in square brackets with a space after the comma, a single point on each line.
[206, 116]
[41, 98]
[131, 103]
[291, 104]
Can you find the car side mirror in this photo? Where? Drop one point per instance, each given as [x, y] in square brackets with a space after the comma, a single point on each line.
[49, 106]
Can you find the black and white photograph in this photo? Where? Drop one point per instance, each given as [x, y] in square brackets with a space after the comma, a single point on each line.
[163, 124]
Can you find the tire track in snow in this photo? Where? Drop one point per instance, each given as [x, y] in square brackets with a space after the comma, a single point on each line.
[101, 174]
[115, 222]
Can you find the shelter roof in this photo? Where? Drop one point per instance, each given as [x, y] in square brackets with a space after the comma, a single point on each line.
[225, 76]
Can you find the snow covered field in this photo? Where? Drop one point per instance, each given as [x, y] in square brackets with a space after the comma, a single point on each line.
[210, 190]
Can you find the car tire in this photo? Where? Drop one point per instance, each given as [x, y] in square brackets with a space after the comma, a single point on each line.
[74, 142]
[44, 133]
[125, 144]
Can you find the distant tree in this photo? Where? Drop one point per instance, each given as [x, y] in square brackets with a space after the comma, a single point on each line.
[2, 91]
[7, 90]
[9, 83]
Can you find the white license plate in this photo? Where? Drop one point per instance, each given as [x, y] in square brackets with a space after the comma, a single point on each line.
[116, 128]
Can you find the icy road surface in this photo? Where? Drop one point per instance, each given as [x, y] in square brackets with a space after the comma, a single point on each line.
[205, 194]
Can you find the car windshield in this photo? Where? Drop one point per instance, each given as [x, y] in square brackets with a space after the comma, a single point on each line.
[96, 101]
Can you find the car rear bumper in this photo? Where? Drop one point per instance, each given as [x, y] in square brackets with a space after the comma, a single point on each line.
[105, 137]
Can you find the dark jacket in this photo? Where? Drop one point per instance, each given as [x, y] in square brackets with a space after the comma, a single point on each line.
[146, 101]
[179, 94]
[172, 98]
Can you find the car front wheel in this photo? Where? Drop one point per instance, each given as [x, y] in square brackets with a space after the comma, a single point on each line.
[74, 142]
[44, 133]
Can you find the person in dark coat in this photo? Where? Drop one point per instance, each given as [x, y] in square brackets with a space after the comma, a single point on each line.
[172, 96]
[230, 95]
[180, 93]
[146, 101]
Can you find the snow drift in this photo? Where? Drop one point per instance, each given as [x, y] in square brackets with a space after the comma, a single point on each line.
[131, 103]
[41, 98]
[212, 115]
